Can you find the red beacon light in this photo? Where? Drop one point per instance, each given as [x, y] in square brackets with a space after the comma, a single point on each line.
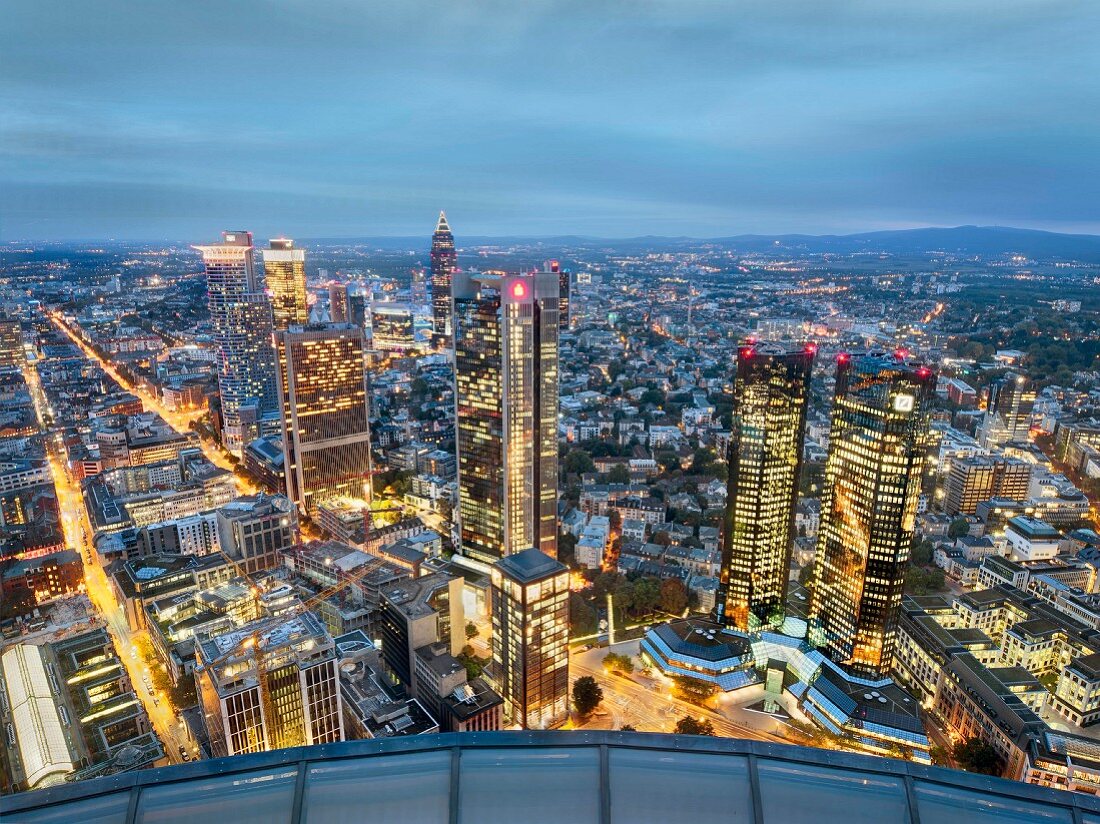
[519, 289]
[843, 357]
[923, 372]
[901, 354]
[811, 348]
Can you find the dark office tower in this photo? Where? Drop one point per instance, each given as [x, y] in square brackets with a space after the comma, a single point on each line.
[358, 304]
[241, 320]
[326, 433]
[877, 448]
[338, 302]
[770, 393]
[285, 273]
[506, 402]
[443, 265]
[564, 276]
[1008, 413]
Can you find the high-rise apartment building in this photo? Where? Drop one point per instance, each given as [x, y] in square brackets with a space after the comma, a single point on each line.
[264, 687]
[285, 273]
[878, 445]
[326, 432]
[770, 393]
[1008, 412]
[444, 262]
[530, 666]
[240, 314]
[11, 343]
[506, 399]
[976, 478]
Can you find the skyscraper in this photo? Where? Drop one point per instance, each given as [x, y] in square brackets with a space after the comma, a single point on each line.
[240, 314]
[326, 431]
[11, 342]
[285, 273]
[443, 265]
[506, 399]
[338, 302]
[877, 448]
[770, 393]
[564, 277]
[530, 666]
[1008, 413]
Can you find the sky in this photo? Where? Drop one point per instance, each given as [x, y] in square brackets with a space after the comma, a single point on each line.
[162, 119]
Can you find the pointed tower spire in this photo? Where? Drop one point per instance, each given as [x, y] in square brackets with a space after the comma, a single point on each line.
[442, 225]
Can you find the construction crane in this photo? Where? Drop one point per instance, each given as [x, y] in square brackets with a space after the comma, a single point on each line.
[249, 646]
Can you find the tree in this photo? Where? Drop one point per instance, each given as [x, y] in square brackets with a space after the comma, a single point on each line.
[628, 728]
[647, 592]
[938, 755]
[661, 538]
[471, 630]
[806, 575]
[694, 690]
[578, 462]
[921, 552]
[693, 726]
[619, 474]
[674, 597]
[958, 528]
[587, 694]
[976, 756]
[618, 663]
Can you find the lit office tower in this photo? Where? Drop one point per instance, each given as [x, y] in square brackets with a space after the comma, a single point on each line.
[338, 302]
[770, 392]
[877, 448]
[240, 315]
[285, 273]
[506, 399]
[264, 688]
[11, 342]
[530, 666]
[1008, 413]
[443, 265]
[326, 434]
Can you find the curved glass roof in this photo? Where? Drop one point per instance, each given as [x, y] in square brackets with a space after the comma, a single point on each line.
[544, 777]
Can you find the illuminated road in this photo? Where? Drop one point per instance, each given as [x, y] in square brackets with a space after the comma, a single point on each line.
[649, 708]
[78, 534]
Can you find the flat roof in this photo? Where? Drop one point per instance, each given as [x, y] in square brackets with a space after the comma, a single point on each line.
[529, 566]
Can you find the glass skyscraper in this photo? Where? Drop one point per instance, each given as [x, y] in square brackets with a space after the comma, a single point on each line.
[506, 399]
[240, 314]
[530, 666]
[1008, 413]
[326, 431]
[770, 393]
[443, 265]
[873, 474]
[285, 273]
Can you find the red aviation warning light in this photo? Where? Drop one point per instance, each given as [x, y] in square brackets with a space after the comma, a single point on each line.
[519, 289]
[923, 372]
[811, 348]
[843, 357]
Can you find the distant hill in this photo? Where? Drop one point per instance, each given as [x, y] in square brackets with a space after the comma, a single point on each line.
[986, 241]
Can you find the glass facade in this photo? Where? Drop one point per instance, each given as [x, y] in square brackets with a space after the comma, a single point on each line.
[506, 397]
[594, 776]
[285, 274]
[877, 448]
[530, 669]
[326, 431]
[770, 394]
[443, 265]
[241, 320]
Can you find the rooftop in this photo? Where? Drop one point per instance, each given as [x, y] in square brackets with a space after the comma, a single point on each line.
[534, 777]
[529, 566]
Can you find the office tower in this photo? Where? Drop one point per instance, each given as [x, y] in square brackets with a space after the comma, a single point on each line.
[564, 276]
[877, 449]
[326, 434]
[977, 478]
[418, 286]
[530, 666]
[506, 399]
[264, 687]
[770, 393]
[240, 315]
[416, 612]
[338, 302]
[254, 529]
[443, 265]
[1008, 413]
[285, 273]
[11, 343]
[392, 327]
[358, 303]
